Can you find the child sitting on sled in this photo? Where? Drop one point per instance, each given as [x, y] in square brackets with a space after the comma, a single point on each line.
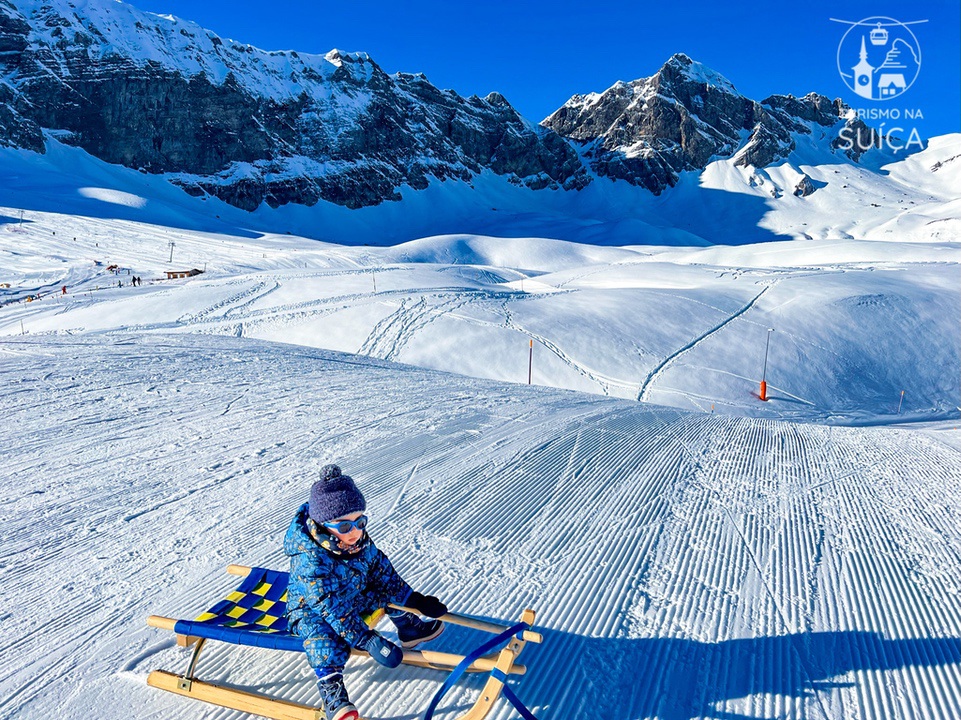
[337, 575]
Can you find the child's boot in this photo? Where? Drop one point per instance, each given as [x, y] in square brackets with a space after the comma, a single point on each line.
[337, 705]
[412, 631]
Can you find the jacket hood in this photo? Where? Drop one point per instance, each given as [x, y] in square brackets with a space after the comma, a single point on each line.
[299, 539]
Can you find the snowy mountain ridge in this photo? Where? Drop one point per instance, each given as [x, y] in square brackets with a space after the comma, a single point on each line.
[254, 128]
[248, 126]
[115, 29]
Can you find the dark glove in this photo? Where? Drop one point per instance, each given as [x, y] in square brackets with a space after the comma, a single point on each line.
[383, 651]
[426, 605]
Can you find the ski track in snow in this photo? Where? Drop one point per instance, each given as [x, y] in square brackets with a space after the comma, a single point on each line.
[618, 326]
[604, 383]
[389, 336]
[683, 565]
[658, 369]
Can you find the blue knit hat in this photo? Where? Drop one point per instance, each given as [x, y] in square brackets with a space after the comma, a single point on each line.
[334, 496]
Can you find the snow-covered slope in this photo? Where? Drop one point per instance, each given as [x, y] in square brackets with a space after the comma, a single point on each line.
[683, 565]
[913, 199]
[856, 322]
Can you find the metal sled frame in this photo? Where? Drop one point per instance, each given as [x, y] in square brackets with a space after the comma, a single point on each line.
[269, 630]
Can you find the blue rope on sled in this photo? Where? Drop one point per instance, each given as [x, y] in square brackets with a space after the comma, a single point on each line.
[492, 644]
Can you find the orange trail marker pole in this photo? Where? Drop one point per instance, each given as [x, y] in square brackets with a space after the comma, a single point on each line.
[763, 393]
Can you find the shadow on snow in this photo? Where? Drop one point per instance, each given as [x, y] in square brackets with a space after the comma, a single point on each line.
[680, 679]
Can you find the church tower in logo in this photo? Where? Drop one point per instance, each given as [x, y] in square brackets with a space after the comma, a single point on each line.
[864, 75]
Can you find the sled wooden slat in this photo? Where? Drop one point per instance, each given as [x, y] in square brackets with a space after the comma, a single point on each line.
[253, 614]
[235, 699]
[159, 621]
[446, 661]
[165, 623]
[477, 624]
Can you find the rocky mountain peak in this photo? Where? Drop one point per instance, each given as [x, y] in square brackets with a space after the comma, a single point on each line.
[359, 61]
[681, 71]
[681, 118]
[497, 100]
[224, 118]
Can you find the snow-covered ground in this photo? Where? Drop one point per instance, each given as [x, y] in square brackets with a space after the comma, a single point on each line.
[684, 565]
[855, 322]
[700, 554]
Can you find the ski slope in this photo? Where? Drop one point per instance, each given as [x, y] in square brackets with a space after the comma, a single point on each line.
[856, 322]
[683, 565]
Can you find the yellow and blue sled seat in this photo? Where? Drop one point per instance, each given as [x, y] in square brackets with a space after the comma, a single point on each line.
[253, 614]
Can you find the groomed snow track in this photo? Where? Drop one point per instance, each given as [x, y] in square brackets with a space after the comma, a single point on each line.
[683, 565]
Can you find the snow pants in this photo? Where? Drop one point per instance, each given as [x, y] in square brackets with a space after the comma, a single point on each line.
[326, 650]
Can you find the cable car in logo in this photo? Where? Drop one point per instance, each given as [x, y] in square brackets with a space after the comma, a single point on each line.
[887, 53]
[879, 36]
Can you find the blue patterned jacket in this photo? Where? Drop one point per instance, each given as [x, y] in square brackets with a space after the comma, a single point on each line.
[335, 588]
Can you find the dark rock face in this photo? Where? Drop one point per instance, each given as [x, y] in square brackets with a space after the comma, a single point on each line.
[340, 130]
[250, 127]
[804, 187]
[15, 130]
[650, 130]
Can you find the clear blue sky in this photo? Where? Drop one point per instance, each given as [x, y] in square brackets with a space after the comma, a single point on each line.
[538, 54]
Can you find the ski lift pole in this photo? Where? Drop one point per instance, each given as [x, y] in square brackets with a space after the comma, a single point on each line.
[767, 346]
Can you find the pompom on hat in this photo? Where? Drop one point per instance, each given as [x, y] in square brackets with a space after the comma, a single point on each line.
[334, 496]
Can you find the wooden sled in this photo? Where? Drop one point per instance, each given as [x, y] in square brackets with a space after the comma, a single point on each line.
[253, 615]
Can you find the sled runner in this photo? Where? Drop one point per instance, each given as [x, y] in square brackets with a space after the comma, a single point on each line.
[253, 615]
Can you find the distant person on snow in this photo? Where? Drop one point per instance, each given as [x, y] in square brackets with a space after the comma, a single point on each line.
[337, 575]
[63, 290]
